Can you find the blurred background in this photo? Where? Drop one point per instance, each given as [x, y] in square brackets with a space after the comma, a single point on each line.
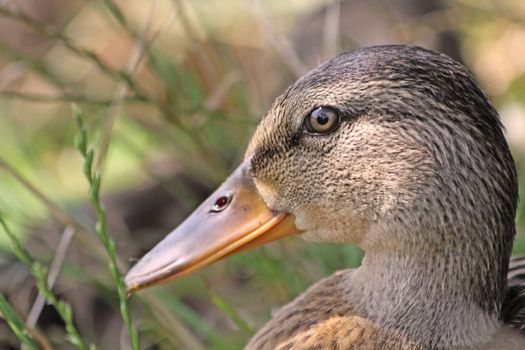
[171, 91]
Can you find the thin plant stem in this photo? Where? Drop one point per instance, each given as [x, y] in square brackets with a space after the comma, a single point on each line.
[122, 89]
[165, 107]
[58, 213]
[16, 325]
[34, 64]
[280, 43]
[54, 270]
[121, 19]
[175, 325]
[41, 276]
[67, 220]
[50, 205]
[232, 314]
[331, 29]
[42, 341]
[101, 227]
[81, 52]
[64, 98]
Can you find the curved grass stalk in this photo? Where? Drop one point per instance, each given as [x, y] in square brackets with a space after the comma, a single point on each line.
[94, 180]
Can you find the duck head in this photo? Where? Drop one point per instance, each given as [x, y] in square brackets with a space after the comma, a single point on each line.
[393, 148]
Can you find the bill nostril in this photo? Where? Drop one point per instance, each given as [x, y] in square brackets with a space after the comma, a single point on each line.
[221, 203]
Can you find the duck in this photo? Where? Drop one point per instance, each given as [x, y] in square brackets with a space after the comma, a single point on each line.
[395, 149]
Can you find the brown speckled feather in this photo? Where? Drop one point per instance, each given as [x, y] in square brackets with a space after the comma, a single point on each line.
[321, 319]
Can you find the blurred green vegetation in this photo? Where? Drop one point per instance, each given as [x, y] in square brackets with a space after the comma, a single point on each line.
[174, 89]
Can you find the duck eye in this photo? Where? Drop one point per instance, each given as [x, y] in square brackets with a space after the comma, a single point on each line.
[322, 120]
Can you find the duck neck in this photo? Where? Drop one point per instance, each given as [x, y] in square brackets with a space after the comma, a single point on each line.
[449, 297]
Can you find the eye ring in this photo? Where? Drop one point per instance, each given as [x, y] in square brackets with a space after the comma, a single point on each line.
[322, 120]
[221, 203]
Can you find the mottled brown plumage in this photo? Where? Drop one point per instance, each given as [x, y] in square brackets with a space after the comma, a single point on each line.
[420, 176]
[322, 318]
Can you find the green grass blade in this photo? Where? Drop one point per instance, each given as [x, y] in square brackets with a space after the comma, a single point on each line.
[229, 311]
[40, 273]
[101, 227]
[17, 326]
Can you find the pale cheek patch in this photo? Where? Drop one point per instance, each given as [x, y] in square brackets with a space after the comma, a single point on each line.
[319, 225]
[268, 193]
[312, 230]
[302, 222]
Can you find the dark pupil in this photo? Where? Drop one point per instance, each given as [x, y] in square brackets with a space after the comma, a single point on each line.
[221, 202]
[322, 118]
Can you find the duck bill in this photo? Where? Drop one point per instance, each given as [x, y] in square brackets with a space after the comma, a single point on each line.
[233, 219]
